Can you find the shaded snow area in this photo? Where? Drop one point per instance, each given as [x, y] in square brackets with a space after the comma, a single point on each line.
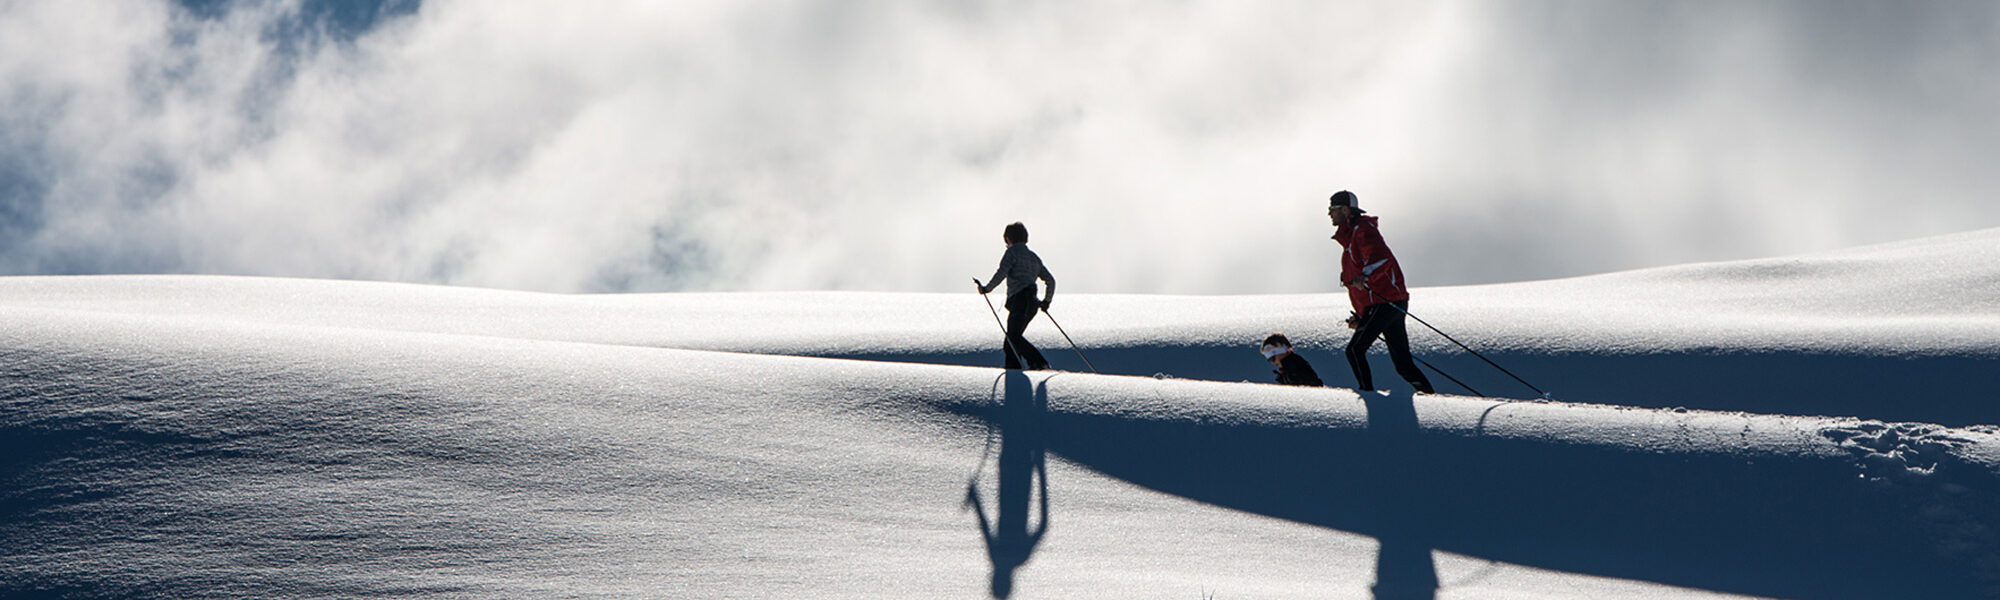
[1810, 427]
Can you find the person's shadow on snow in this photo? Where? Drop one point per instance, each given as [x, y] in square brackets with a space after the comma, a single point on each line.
[1404, 569]
[1010, 540]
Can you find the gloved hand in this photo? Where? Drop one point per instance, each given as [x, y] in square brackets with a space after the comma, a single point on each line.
[1045, 302]
[1353, 320]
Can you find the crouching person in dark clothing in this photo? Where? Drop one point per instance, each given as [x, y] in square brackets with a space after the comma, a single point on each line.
[1019, 268]
[1292, 368]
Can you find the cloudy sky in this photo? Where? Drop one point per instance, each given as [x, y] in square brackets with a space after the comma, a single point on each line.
[1183, 146]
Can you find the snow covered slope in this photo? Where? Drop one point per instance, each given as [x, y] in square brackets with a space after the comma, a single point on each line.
[1906, 331]
[231, 437]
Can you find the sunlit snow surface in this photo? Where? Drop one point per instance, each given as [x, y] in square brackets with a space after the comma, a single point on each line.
[1751, 428]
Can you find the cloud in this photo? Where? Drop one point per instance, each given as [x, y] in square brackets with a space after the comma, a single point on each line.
[1675, 132]
[1151, 147]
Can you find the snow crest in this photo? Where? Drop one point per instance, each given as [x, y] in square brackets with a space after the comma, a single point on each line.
[1944, 477]
[1756, 429]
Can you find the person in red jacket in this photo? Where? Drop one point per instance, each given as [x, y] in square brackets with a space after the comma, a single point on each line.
[1376, 289]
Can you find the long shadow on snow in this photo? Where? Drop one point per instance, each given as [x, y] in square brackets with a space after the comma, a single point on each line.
[1769, 525]
[1405, 569]
[1010, 540]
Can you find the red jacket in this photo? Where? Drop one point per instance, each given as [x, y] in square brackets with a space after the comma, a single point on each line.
[1365, 255]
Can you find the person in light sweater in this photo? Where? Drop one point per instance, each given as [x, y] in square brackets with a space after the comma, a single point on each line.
[1019, 268]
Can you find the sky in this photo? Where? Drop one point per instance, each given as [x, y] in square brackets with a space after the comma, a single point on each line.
[1183, 147]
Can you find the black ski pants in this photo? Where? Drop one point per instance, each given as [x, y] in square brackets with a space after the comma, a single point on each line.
[1384, 321]
[1021, 310]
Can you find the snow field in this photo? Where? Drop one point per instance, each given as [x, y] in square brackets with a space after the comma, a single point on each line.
[226, 437]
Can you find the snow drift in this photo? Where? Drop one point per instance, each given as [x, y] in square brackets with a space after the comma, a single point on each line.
[1725, 429]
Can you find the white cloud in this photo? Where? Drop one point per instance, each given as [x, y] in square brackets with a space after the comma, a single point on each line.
[1151, 147]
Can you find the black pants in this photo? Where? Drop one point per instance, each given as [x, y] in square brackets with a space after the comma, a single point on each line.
[1386, 322]
[1020, 311]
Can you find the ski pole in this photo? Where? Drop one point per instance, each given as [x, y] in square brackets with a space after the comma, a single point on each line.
[1072, 343]
[1371, 292]
[1005, 339]
[1441, 373]
[1434, 369]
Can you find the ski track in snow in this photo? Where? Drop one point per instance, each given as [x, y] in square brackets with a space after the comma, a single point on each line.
[1760, 428]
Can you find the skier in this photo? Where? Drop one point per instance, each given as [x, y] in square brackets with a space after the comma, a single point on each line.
[1292, 368]
[1020, 267]
[1375, 287]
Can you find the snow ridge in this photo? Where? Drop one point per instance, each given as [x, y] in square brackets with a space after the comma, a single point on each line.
[227, 437]
[1941, 475]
